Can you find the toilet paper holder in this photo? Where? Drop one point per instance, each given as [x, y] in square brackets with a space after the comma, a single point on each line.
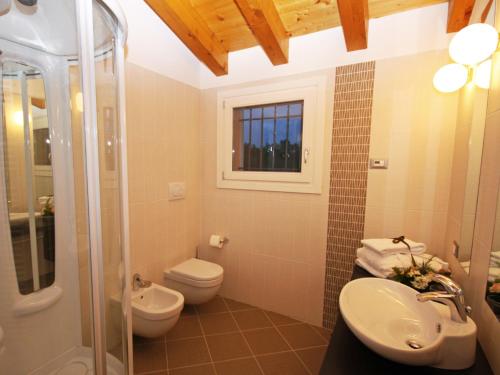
[218, 241]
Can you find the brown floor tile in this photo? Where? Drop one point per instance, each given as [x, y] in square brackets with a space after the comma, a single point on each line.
[313, 358]
[246, 366]
[252, 319]
[188, 310]
[324, 332]
[216, 305]
[228, 346]
[187, 352]
[281, 364]
[237, 306]
[301, 336]
[138, 340]
[195, 370]
[265, 341]
[279, 319]
[186, 327]
[150, 357]
[218, 323]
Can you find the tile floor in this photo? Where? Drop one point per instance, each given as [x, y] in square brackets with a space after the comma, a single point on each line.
[225, 337]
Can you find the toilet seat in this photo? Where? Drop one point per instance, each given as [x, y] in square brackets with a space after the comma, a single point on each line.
[196, 272]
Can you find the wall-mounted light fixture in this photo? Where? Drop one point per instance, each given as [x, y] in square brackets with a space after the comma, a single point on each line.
[470, 49]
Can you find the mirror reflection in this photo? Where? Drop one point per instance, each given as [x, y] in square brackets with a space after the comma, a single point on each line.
[473, 128]
[28, 176]
[493, 284]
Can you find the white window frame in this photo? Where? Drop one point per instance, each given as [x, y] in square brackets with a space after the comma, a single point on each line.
[312, 92]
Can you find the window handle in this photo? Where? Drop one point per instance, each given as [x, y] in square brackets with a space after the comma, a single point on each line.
[307, 153]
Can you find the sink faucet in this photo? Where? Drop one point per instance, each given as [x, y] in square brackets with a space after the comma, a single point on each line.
[138, 282]
[452, 296]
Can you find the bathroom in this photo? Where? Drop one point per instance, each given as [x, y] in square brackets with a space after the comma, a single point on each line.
[185, 186]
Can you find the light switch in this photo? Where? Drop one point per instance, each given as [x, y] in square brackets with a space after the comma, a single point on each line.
[176, 190]
[379, 163]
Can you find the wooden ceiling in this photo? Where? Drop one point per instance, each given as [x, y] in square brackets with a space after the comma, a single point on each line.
[212, 28]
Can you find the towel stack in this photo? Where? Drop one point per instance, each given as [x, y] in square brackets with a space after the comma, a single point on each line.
[379, 256]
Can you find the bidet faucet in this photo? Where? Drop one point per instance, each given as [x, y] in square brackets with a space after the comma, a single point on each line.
[452, 296]
[138, 282]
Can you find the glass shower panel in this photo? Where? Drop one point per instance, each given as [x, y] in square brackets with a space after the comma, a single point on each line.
[28, 174]
[109, 176]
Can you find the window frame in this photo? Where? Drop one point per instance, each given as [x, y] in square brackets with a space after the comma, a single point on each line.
[312, 92]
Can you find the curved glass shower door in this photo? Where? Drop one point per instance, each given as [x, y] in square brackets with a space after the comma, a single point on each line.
[63, 196]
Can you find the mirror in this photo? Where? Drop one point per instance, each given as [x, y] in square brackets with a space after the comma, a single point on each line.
[472, 110]
[493, 284]
[28, 176]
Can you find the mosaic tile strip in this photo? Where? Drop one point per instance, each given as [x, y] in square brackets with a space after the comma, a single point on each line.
[348, 177]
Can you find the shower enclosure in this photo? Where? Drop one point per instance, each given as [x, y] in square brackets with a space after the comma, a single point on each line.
[64, 271]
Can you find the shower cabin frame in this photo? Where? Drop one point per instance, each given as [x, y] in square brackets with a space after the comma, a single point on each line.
[87, 60]
[84, 15]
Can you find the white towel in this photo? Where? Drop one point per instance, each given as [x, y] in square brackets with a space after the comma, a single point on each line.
[386, 246]
[384, 264]
[494, 274]
[365, 266]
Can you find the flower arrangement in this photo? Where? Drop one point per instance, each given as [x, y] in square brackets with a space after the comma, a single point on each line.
[493, 296]
[48, 208]
[417, 276]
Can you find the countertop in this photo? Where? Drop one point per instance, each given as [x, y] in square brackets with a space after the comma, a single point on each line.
[346, 355]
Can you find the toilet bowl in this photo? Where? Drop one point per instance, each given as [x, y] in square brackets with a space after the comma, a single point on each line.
[197, 280]
[155, 310]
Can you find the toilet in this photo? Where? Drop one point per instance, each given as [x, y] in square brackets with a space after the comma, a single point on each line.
[197, 280]
[155, 310]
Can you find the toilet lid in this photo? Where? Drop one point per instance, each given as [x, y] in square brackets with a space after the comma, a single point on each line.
[197, 269]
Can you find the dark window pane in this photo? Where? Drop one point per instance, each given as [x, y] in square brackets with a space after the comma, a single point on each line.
[268, 149]
[269, 111]
[268, 132]
[296, 109]
[280, 144]
[282, 110]
[294, 144]
[257, 112]
[268, 138]
[256, 144]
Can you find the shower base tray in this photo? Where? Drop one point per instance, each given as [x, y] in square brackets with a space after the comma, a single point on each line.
[78, 361]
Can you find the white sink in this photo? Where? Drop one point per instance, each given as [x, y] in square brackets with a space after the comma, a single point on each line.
[386, 317]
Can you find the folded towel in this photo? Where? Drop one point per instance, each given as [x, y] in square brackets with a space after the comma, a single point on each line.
[384, 264]
[495, 255]
[494, 274]
[386, 246]
[365, 266]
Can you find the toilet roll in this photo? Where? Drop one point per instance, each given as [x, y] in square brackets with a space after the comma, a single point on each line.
[216, 241]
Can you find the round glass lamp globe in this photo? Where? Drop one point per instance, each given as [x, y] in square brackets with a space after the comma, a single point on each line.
[450, 78]
[473, 44]
[482, 75]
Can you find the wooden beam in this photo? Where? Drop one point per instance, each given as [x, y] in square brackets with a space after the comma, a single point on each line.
[354, 19]
[459, 12]
[183, 20]
[264, 21]
[38, 102]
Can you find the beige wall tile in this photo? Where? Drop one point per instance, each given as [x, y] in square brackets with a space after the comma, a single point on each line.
[412, 126]
[163, 147]
[276, 238]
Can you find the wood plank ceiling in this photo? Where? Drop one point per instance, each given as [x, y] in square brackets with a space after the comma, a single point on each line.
[212, 28]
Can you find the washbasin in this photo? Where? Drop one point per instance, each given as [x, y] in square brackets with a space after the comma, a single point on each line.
[387, 317]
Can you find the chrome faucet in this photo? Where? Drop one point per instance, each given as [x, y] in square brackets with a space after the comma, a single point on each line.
[452, 296]
[138, 282]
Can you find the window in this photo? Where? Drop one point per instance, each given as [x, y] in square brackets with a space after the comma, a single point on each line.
[268, 137]
[271, 137]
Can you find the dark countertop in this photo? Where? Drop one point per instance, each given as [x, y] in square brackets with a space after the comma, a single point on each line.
[346, 355]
